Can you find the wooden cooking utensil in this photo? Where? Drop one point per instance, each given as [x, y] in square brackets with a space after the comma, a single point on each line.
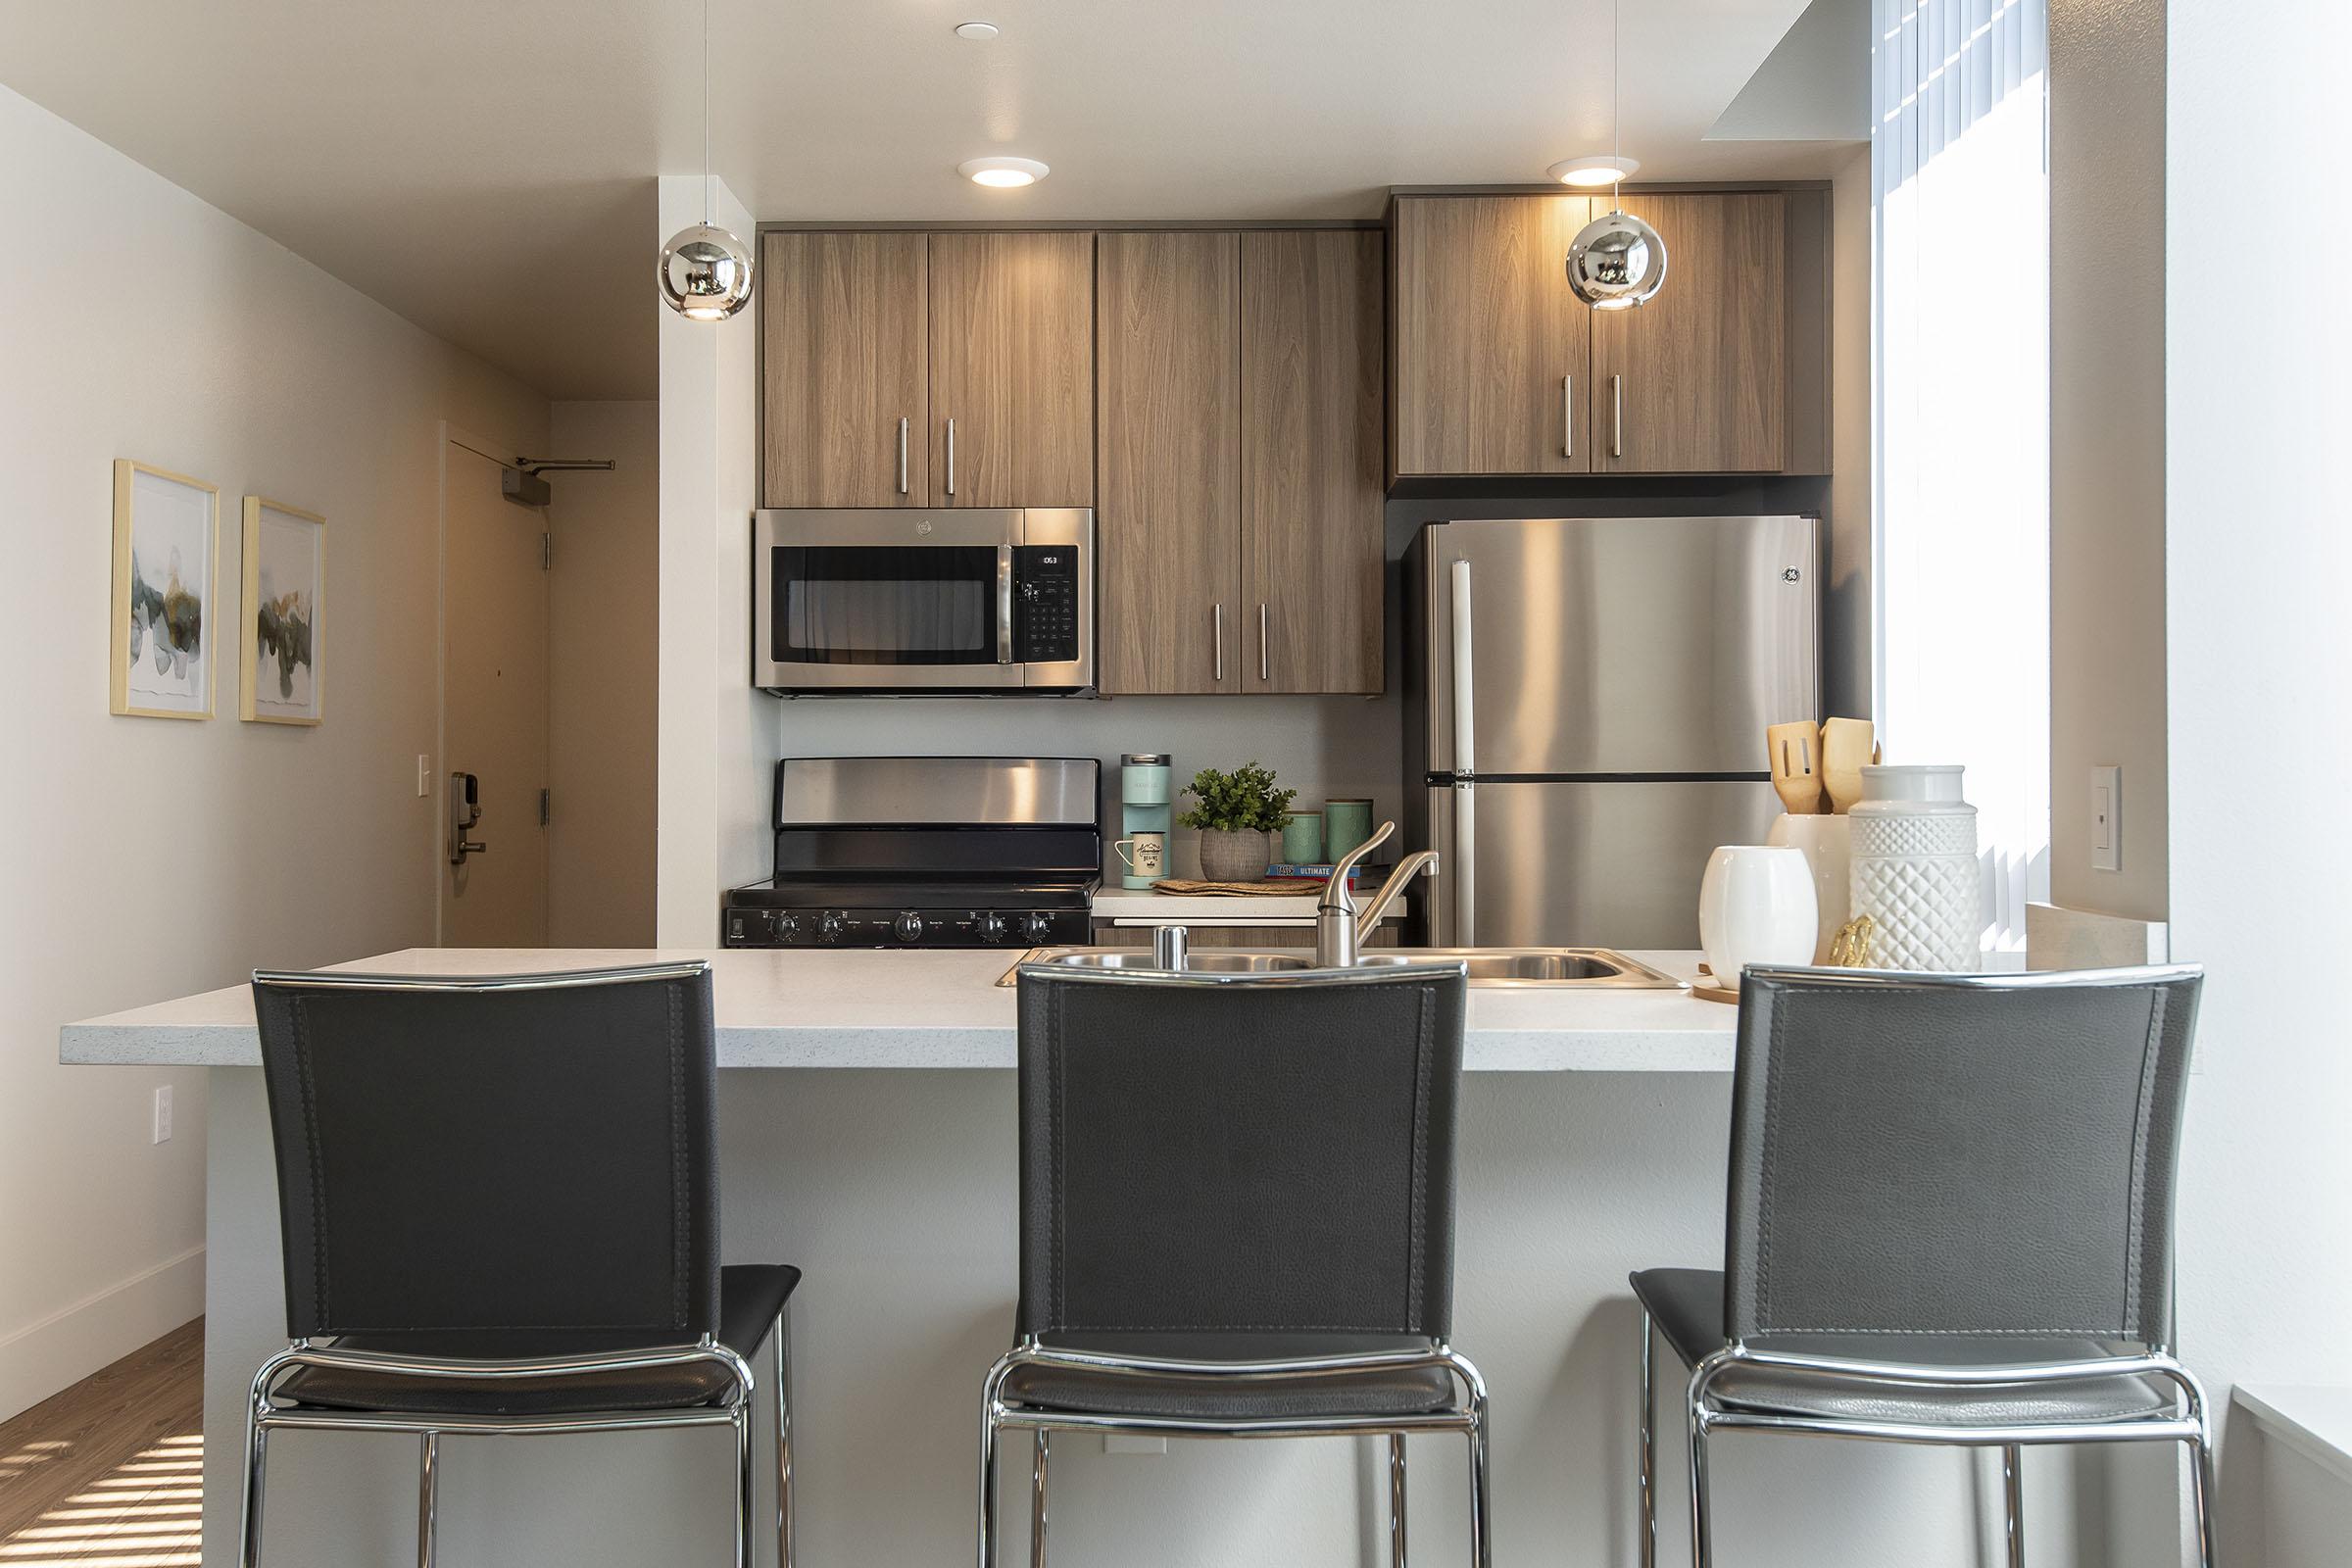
[1846, 744]
[1797, 766]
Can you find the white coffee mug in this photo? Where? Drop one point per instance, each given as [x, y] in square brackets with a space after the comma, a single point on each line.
[1756, 905]
[1151, 857]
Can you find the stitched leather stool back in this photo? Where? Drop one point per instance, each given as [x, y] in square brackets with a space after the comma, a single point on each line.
[1271, 1153]
[526, 1153]
[1935, 1155]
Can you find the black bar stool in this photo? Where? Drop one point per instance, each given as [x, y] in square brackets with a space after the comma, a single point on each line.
[1237, 1217]
[499, 1199]
[1950, 1222]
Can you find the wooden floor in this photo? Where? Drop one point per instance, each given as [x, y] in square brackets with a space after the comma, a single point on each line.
[109, 1473]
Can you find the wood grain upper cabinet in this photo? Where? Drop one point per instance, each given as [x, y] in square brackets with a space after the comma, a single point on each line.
[847, 389]
[1011, 328]
[1693, 381]
[1492, 350]
[1167, 318]
[1312, 524]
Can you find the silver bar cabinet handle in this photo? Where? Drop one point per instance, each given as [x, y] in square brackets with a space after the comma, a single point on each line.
[951, 457]
[1220, 642]
[1004, 604]
[903, 423]
[1616, 416]
[1264, 673]
[1567, 416]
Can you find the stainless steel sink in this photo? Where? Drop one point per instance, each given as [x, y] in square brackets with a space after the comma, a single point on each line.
[1587, 968]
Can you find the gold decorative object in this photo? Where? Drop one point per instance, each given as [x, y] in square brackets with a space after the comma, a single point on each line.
[1850, 948]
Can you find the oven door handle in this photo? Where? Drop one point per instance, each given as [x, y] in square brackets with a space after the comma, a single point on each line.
[1004, 604]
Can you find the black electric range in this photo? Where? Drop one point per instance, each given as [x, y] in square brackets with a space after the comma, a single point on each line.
[931, 852]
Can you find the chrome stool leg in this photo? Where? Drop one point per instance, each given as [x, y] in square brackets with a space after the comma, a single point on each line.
[2204, 1491]
[428, 1495]
[1036, 1501]
[1482, 1524]
[783, 1333]
[1645, 1523]
[1396, 1500]
[257, 1464]
[2013, 1502]
[744, 1504]
[988, 1465]
[1702, 1550]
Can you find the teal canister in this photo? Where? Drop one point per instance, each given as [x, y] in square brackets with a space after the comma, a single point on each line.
[1345, 824]
[1303, 837]
[1145, 806]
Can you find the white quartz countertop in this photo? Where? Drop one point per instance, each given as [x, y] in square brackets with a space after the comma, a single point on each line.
[881, 1009]
[1117, 904]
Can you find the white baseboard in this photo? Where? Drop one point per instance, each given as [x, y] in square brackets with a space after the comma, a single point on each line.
[63, 1348]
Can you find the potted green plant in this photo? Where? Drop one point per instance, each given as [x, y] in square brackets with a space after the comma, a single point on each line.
[1235, 813]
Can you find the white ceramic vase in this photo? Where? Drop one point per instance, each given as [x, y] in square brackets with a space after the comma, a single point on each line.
[1915, 871]
[1827, 843]
[1756, 905]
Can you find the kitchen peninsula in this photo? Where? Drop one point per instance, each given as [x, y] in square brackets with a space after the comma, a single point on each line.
[1592, 1138]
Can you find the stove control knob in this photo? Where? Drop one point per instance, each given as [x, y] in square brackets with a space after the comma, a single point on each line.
[1036, 927]
[790, 929]
[829, 927]
[993, 928]
[908, 927]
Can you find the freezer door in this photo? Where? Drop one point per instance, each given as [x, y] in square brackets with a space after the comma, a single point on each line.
[1610, 865]
[1619, 645]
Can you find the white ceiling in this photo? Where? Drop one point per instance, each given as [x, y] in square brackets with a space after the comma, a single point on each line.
[484, 166]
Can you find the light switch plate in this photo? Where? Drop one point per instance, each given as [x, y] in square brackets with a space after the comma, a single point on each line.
[424, 775]
[160, 1132]
[2106, 820]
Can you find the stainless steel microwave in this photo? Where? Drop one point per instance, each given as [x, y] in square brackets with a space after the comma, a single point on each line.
[897, 601]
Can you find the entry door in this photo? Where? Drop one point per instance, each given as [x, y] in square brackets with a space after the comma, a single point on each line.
[494, 706]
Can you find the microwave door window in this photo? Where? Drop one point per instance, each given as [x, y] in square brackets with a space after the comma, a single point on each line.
[884, 604]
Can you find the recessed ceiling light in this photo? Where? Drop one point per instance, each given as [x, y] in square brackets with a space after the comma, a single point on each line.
[1002, 172]
[1593, 169]
[976, 31]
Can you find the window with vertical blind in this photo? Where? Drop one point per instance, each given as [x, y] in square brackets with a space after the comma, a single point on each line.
[1960, 172]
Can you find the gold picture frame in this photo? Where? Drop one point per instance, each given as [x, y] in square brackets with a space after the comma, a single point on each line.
[163, 632]
[281, 617]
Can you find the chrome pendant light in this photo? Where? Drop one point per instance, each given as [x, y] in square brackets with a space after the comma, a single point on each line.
[1617, 260]
[706, 273]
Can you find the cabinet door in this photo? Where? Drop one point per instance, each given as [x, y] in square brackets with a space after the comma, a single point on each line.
[1169, 529]
[1013, 369]
[848, 406]
[1492, 348]
[1693, 382]
[1312, 524]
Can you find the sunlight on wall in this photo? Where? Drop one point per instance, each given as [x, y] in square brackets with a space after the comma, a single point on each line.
[1962, 225]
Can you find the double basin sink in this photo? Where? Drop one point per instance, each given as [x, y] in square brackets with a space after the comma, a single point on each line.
[1589, 968]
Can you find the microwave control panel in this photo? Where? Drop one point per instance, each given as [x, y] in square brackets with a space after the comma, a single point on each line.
[1045, 623]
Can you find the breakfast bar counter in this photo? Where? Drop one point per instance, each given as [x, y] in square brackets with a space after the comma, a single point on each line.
[1594, 1127]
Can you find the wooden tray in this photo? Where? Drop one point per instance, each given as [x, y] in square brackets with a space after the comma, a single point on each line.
[1285, 888]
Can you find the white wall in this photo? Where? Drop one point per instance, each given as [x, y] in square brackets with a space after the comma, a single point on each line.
[2259, 570]
[604, 638]
[718, 734]
[2108, 444]
[149, 859]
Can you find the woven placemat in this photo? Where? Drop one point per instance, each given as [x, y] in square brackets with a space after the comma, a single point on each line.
[1270, 888]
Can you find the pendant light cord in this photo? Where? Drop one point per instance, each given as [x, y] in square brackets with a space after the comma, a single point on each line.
[1616, 113]
[708, 195]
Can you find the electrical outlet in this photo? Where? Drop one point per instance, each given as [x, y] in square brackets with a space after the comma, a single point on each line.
[161, 1131]
[424, 775]
[2106, 820]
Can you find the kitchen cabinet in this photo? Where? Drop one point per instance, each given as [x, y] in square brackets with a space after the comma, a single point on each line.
[1493, 351]
[1240, 526]
[1693, 381]
[1168, 312]
[909, 369]
[1012, 331]
[1313, 535]
[847, 413]
[1500, 370]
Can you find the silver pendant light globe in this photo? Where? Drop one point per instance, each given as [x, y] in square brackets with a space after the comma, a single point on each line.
[706, 273]
[1617, 260]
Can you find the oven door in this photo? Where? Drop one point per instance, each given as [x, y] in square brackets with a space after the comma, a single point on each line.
[889, 600]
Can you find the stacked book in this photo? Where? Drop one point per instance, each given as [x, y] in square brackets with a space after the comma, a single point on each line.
[1286, 871]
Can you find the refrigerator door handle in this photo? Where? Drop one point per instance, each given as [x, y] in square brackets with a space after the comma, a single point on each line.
[1464, 860]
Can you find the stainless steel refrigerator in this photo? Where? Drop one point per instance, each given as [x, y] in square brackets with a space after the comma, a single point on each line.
[1585, 709]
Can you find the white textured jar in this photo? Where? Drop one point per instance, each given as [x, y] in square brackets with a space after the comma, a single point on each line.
[1915, 871]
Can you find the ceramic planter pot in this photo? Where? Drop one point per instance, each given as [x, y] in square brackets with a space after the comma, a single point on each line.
[1229, 855]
